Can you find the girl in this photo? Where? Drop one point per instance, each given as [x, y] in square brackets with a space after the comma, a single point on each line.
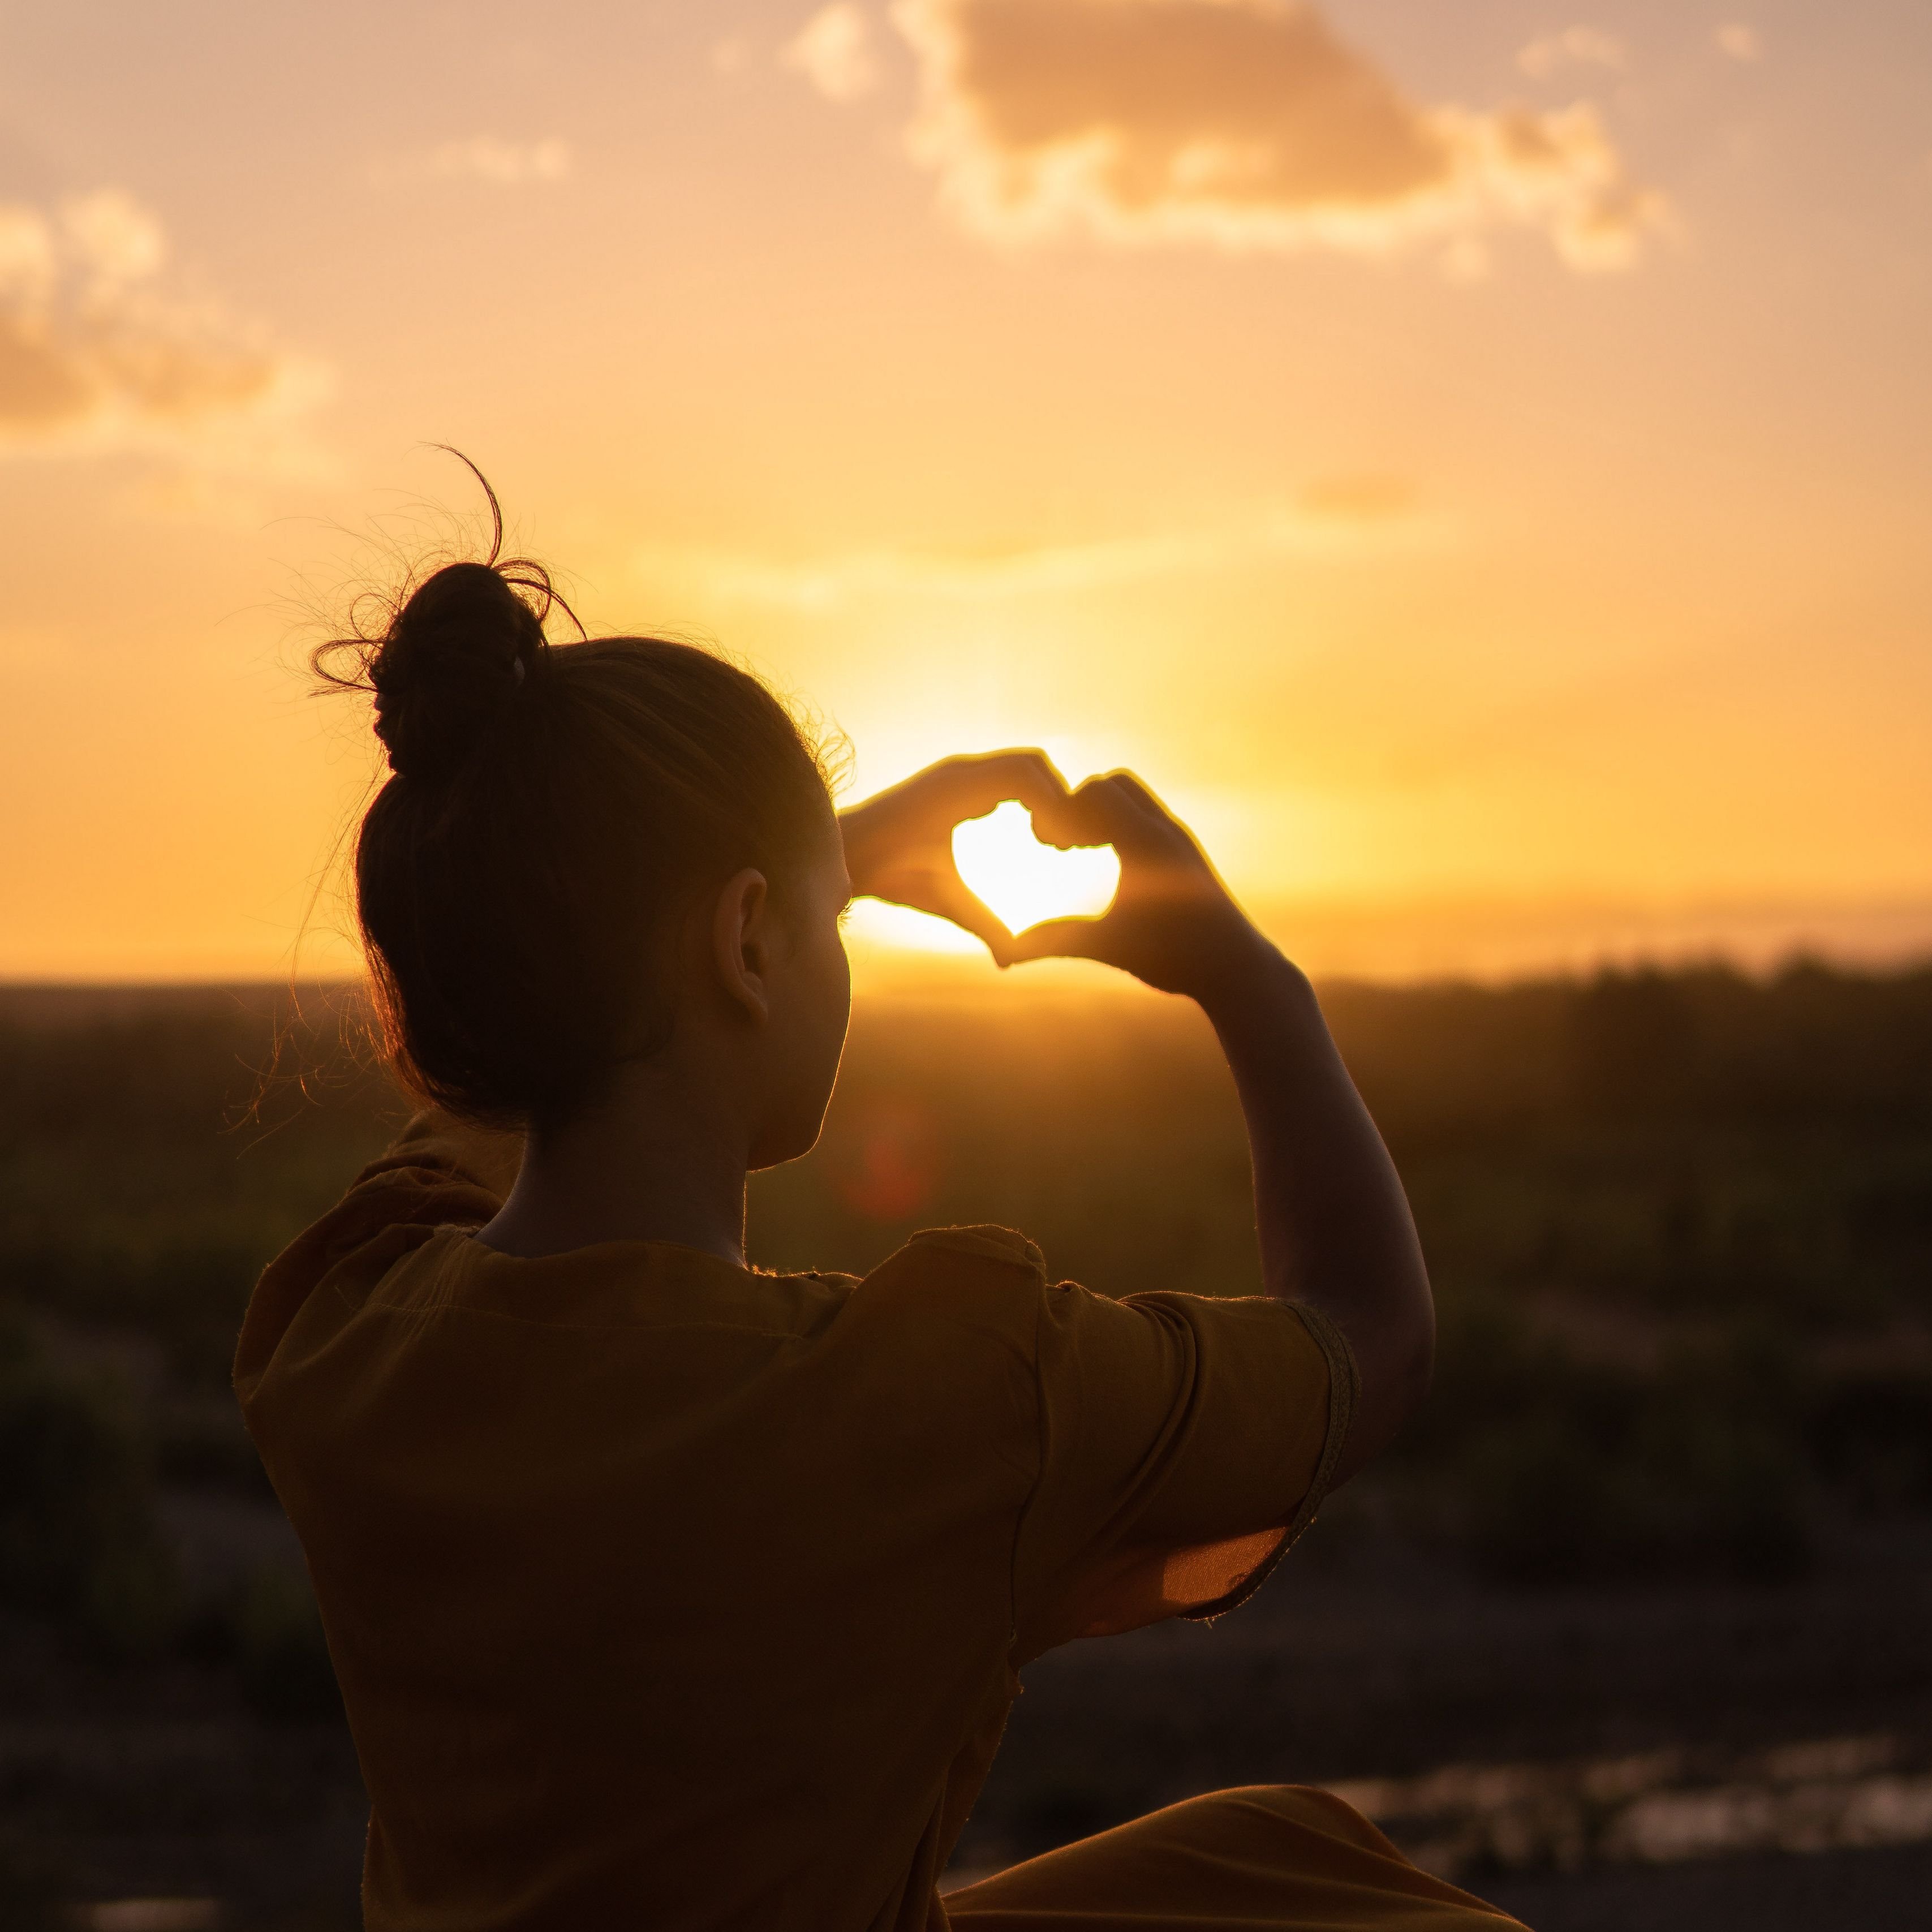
[664, 1593]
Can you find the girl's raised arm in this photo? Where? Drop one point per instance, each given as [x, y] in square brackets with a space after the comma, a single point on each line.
[1334, 1223]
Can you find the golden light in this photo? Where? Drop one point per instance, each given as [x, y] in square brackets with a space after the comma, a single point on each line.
[1024, 881]
[871, 926]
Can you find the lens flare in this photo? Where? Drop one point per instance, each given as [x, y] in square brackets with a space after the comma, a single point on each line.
[1024, 881]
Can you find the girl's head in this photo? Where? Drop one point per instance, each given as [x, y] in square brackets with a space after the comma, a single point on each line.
[585, 852]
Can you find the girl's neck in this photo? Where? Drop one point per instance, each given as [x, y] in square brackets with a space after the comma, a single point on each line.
[657, 1161]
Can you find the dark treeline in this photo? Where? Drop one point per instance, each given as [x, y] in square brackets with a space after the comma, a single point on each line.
[1706, 1044]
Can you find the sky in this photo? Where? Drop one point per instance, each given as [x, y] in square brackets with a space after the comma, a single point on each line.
[1475, 461]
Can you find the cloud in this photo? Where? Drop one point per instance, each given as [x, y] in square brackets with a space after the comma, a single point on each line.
[92, 355]
[1575, 46]
[1244, 123]
[508, 163]
[1333, 516]
[1740, 41]
[1357, 498]
[834, 52]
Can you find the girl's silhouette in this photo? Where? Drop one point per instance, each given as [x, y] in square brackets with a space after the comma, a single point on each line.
[668, 1593]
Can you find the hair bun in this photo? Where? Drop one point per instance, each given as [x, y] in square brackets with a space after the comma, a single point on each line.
[452, 667]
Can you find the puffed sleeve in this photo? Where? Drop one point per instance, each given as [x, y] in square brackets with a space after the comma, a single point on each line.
[1185, 1441]
[439, 1172]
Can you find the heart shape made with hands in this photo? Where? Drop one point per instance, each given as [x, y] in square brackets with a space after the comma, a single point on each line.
[1025, 882]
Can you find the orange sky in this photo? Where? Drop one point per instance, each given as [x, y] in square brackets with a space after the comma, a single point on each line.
[1477, 461]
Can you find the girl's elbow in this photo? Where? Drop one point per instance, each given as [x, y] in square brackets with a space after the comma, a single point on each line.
[1413, 1372]
[1395, 1373]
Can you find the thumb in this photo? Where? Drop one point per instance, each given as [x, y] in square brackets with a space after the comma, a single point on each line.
[1055, 939]
[952, 898]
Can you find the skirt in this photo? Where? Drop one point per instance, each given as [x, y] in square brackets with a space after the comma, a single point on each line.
[1266, 1858]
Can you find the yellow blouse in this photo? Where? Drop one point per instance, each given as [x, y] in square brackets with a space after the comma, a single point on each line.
[668, 1593]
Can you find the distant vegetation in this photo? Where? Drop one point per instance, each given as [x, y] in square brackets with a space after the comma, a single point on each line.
[1680, 1224]
[78, 1540]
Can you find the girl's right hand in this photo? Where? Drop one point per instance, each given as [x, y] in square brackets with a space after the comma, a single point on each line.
[898, 844]
[1172, 923]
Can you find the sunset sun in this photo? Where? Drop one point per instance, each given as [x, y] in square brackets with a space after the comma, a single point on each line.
[1024, 881]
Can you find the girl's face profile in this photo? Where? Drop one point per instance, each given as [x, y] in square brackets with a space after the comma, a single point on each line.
[811, 1004]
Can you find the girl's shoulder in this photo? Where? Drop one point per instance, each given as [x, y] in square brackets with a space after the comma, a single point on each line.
[952, 1286]
[988, 1243]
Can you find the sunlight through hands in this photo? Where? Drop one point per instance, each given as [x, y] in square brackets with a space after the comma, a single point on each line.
[1023, 881]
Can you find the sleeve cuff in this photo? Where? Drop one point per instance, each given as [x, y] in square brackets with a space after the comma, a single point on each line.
[1345, 1389]
[1345, 1386]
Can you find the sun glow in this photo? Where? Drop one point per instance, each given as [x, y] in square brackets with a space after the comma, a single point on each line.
[872, 924]
[1378, 577]
[1024, 881]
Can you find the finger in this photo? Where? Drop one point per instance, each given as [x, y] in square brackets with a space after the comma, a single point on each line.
[1156, 834]
[1100, 812]
[1134, 788]
[1173, 836]
[973, 786]
[949, 897]
[936, 798]
[1088, 815]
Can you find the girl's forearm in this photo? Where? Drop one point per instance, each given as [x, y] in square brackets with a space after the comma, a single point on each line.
[1334, 1223]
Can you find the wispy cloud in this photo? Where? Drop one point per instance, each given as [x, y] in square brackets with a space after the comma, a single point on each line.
[94, 355]
[834, 51]
[507, 164]
[1739, 41]
[1574, 46]
[1332, 516]
[1248, 124]
[1362, 500]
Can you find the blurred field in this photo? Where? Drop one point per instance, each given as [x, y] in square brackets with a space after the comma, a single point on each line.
[1671, 1502]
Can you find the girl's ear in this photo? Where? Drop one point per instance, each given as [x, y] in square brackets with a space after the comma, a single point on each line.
[742, 938]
